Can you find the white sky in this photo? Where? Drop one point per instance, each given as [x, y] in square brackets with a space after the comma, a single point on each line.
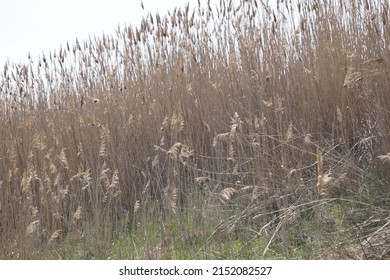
[38, 26]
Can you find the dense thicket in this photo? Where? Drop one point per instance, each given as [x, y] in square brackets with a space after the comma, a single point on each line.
[248, 115]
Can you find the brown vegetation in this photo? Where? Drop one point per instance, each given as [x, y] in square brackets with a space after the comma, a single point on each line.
[255, 120]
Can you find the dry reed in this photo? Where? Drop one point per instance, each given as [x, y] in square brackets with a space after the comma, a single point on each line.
[256, 105]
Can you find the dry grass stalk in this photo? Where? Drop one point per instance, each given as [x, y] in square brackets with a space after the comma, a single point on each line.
[290, 132]
[174, 151]
[77, 214]
[385, 158]
[320, 172]
[63, 159]
[137, 206]
[226, 194]
[32, 227]
[54, 236]
[352, 77]
[202, 181]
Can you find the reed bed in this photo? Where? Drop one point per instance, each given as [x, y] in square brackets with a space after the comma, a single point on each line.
[268, 125]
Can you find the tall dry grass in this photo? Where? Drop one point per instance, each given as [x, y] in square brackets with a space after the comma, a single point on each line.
[266, 112]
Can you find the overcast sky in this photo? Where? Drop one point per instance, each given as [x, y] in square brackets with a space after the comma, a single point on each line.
[38, 26]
